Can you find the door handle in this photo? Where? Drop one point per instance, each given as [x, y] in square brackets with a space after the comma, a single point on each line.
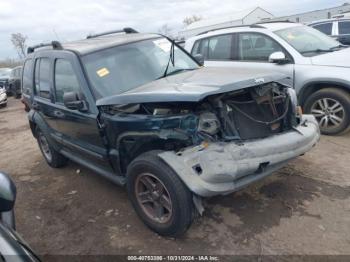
[58, 114]
[35, 106]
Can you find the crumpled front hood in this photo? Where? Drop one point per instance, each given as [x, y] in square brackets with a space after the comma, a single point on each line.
[192, 86]
[337, 58]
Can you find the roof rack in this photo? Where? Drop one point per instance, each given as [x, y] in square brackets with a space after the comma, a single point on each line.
[275, 21]
[228, 27]
[256, 25]
[126, 30]
[54, 44]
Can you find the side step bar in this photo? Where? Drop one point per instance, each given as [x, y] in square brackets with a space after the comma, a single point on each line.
[119, 180]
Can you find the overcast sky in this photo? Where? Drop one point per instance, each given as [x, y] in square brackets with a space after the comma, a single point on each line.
[46, 20]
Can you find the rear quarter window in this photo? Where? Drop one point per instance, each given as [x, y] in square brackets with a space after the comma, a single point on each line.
[27, 80]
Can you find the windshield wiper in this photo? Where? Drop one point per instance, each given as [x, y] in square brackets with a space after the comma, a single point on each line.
[180, 70]
[171, 59]
[338, 46]
[318, 51]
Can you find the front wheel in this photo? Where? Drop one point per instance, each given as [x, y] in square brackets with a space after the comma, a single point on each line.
[331, 107]
[159, 197]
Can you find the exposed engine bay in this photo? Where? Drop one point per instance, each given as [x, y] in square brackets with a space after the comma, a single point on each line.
[249, 113]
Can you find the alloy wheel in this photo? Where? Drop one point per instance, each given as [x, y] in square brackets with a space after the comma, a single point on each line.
[45, 147]
[153, 198]
[328, 112]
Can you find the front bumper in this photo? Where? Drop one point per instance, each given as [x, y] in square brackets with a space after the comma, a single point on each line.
[222, 168]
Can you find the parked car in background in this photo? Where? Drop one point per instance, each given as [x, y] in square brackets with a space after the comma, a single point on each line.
[139, 110]
[338, 28]
[4, 78]
[12, 246]
[3, 97]
[14, 82]
[316, 65]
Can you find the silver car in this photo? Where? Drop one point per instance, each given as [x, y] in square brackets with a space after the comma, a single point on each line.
[316, 65]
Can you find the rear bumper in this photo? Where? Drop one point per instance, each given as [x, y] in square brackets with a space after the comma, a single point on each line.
[222, 168]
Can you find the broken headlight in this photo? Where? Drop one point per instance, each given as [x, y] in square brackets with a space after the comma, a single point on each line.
[208, 123]
[294, 101]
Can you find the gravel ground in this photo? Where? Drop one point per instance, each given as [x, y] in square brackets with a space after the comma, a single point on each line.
[302, 209]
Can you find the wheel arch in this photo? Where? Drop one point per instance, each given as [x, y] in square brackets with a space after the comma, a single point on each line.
[313, 87]
[131, 146]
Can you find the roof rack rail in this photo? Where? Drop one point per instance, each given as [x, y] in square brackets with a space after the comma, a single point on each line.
[54, 44]
[228, 27]
[127, 30]
[275, 21]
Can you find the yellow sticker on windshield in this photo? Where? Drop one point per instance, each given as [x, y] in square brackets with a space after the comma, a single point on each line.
[102, 72]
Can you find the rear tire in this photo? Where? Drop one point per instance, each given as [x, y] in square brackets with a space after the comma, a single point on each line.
[159, 197]
[52, 157]
[331, 107]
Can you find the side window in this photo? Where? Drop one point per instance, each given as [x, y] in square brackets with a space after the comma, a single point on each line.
[324, 28]
[214, 48]
[256, 47]
[65, 79]
[27, 77]
[201, 47]
[344, 28]
[220, 47]
[42, 77]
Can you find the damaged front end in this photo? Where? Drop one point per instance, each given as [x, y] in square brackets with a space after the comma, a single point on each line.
[221, 143]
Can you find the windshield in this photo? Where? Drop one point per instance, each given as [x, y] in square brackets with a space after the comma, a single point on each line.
[119, 69]
[5, 72]
[308, 41]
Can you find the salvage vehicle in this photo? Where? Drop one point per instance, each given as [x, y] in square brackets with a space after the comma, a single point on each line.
[139, 110]
[14, 82]
[3, 97]
[313, 62]
[12, 246]
[4, 78]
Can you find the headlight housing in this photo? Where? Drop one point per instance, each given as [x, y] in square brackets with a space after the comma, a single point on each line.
[208, 123]
[294, 100]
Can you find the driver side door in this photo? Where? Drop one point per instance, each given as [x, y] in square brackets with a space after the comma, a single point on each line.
[77, 130]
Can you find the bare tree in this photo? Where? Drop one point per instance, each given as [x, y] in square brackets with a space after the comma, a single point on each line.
[165, 30]
[191, 19]
[19, 43]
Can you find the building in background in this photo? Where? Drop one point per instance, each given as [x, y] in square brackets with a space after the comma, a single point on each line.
[316, 15]
[245, 17]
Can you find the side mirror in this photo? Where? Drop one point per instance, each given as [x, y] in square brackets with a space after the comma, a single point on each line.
[278, 58]
[199, 58]
[72, 101]
[7, 200]
[7, 193]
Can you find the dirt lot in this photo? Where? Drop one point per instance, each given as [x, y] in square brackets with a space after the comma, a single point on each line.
[302, 209]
